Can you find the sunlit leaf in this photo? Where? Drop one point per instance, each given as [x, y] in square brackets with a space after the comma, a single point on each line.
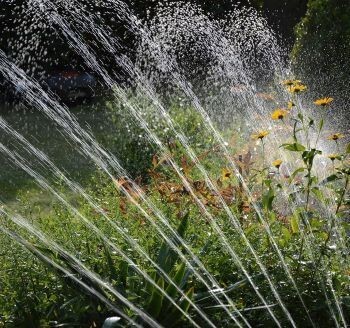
[286, 233]
[317, 192]
[294, 224]
[294, 147]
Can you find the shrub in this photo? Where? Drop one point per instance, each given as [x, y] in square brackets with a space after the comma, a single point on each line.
[323, 43]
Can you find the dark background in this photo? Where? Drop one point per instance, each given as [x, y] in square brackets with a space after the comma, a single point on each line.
[19, 32]
[316, 33]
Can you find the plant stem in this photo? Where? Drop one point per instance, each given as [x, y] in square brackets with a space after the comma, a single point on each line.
[334, 219]
[263, 167]
[306, 130]
[309, 183]
[263, 152]
[319, 130]
[300, 253]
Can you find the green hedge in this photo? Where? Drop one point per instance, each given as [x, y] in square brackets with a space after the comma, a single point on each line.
[323, 39]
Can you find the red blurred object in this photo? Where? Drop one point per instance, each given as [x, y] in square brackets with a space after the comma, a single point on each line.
[70, 74]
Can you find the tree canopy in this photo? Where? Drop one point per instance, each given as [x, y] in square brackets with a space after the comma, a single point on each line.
[323, 39]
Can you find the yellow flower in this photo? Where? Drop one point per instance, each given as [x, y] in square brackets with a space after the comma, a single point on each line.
[323, 101]
[226, 174]
[277, 163]
[296, 88]
[333, 157]
[290, 105]
[260, 135]
[279, 114]
[335, 136]
[289, 83]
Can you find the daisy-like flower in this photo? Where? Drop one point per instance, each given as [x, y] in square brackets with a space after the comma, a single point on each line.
[290, 82]
[290, 105]
[333, 157]
[279, 114]
[277, 163]
[260, 135]
[296, 88]
[323, 101]
[335, 136]
[226, 174]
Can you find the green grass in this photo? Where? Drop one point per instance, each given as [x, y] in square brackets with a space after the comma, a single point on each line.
[33, 293]
[44, 135]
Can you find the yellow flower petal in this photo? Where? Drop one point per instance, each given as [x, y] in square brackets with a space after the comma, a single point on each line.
[290, 105]
[333, 157]
[279, 114]
[296, 88]
[323, 101]
[277, 163]
[290, 82]
[335, 136]
[226, 174]
[260, 134]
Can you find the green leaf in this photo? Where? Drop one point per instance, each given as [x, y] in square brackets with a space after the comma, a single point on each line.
[285, 238]
[323, 235]
[294, 224]
[309, 155]
[321, 124]
[185, 304]
[294, 147]
[317, 192]
[174, 316]
[316, 224]
[347, 150]
[167, 257]
[331, 178]
[189, 271]
[155, 305]
[267, 182]
[281, 243]
[293, 175]
[346, 301]
[149, 288]
[124, 272]
[268, 199]
[111, 266]
[295, 131]
[286, 234]
[177, 279]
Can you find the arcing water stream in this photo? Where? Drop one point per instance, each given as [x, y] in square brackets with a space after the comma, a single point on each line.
[74, 21]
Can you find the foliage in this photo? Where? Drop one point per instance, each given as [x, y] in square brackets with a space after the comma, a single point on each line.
[131, 143]
[323, 41]
[300, 218]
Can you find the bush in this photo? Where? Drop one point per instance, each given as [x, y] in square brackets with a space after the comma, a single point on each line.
[323, 43]
[131, 143]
